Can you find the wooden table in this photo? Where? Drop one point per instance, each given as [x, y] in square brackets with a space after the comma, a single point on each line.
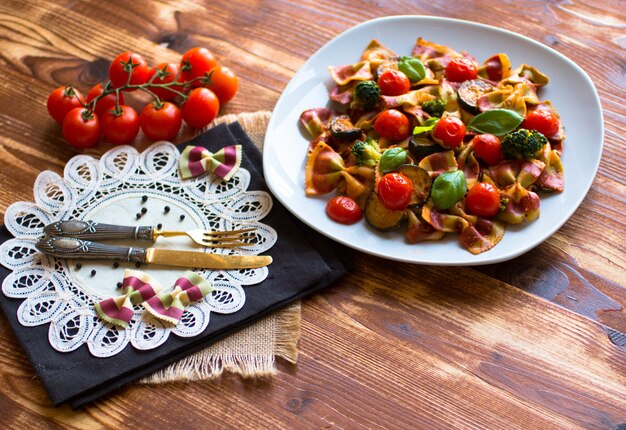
[537, 342]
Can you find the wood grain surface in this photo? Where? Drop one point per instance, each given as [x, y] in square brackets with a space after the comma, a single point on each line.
[537, 342]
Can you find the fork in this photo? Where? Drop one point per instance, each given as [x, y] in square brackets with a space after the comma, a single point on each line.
[79, 229]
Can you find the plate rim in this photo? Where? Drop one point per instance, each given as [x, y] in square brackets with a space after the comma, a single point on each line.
[434, 19]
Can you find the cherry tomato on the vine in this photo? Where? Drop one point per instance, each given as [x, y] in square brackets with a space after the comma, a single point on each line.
[394, 191]
[81, 128]
[61, 101]
[105, 103]
[461, 69]
[483, 200]
[543, 121]
[223, 83]
[201, 107]
[343, 210]
[392, 124]
[393, 83]
[160, 122]
[488, 148]
[449, 132]
[171, 71]
[120, 127]
[122, 65]
[195, 63]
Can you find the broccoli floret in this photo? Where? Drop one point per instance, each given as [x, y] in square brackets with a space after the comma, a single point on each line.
[522, 144]
[366, 153]
[367, 94]
[434, 107]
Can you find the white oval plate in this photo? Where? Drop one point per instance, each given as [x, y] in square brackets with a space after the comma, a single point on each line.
[570, 90]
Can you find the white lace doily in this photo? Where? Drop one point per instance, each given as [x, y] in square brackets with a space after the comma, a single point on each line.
[111, 190]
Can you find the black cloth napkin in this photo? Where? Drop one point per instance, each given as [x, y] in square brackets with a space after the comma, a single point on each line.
[304, 262]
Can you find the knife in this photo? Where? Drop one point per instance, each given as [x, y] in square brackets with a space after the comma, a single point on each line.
[64, 247]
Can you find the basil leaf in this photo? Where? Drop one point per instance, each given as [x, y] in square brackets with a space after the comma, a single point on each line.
[428, 125]
[496, 121]
[391, 159]
[448, 188]
[412, 68]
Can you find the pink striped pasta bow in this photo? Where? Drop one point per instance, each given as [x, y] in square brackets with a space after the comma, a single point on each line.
[196, 160]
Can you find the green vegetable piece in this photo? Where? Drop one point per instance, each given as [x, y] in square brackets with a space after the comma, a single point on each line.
[496, 121]
[448, 188]
[428, 125]
[367, 94]
[412, 68]
[434, 108]
[522, 144]
[392, 159]
[366, 153]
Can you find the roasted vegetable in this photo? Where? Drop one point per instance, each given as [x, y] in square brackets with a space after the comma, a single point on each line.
[470, 91]
[421, 183]
[522, 144]
[379, 216]
[421, 147]
[342, 128]
[434, 107]
[367, 94]
[367, 153]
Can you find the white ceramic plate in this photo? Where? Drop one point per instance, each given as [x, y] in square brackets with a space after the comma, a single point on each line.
[570, 90]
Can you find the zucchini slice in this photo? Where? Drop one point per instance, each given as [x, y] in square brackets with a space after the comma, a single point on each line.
[421, 183]
[421, 147]
[470, 91]
[379, 216]
[342, 128]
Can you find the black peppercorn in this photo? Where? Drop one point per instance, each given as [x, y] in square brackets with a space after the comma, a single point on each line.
[137, 264]
[78, 266]
[144, 210]
[182, 217]
[119, 285]
[166, 209]
[159, 226]
[138, 215]
[144, 199]
[93, 272]
[116, 264]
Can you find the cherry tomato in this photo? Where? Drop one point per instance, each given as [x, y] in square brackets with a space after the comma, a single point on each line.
[120, 127]
[461, 69]
[119, 75]
[488, 148]
[81, 128]
[201, 107]
[543, 121]
[172, 71]
[449, 132]
[195, 63]
[392, 124]
[343, 210]
[483, 200]
[61, 101]
[393, 83]
[394, 191]
[160, 123]
[105, 103]
[224, 83]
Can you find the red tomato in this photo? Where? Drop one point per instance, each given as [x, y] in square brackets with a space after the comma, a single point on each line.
[105, 103]
[488, 148]
[61, 101]
[393, 83]
[160, 123]
[120, 128]
[461, 69]
[394, 191]
[196, 63]
[121, 65]
[483, 200]
[224, 83]
[201, 107]
[81, 128]
[172, 71]
[543, 121]
[343, 210]
[449, 132]
[392, 124]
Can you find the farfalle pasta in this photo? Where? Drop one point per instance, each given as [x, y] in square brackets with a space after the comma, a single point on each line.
[435, 143]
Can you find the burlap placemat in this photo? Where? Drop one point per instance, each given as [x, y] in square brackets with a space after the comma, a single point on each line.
[251, 352]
